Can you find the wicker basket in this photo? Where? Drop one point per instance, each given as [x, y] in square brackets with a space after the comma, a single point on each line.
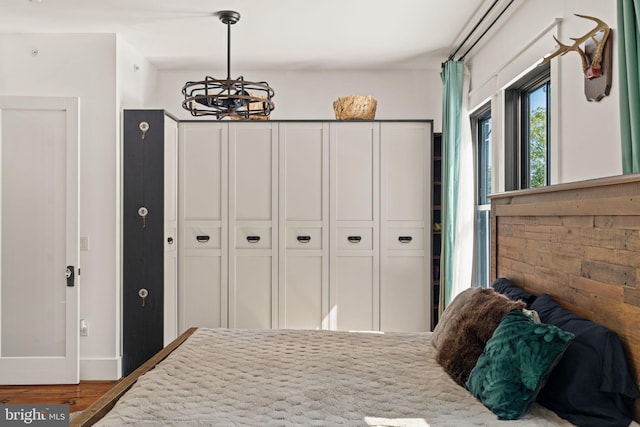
[355, 107]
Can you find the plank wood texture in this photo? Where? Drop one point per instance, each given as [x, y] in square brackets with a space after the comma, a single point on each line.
[77, 396]
[579, 243]
[101, 406]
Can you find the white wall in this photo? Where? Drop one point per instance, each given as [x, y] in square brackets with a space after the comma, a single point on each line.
[109, 75]
[136, 77]
[82, 65]
[401, 94]
[585, 135]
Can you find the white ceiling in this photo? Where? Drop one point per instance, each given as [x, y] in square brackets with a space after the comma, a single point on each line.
[271, 34]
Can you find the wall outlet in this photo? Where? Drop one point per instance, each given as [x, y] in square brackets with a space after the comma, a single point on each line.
[84, 328]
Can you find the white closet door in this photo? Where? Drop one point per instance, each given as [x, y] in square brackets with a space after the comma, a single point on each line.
[253, 228]
[203, 225]
[405, 222]
[170, 330]
[354, 260]
[304, 225]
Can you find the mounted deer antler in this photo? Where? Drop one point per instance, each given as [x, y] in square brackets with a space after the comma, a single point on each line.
[592, 69]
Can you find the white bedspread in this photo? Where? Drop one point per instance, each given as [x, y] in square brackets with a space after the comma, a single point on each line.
[302, 378]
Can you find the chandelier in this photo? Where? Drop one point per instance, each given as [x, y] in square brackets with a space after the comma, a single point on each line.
[238, 99]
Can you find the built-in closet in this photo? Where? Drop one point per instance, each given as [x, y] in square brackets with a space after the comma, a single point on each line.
[305, 224]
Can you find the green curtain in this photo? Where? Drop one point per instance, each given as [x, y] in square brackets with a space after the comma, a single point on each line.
[453, 79]
[629, 66]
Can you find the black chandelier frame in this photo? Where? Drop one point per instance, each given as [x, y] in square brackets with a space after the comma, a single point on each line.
[234, 98]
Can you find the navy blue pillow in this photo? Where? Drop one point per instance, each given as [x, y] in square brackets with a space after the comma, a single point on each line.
[505, 287]
[592, 384]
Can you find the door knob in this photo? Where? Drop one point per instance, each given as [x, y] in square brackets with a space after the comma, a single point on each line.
[69, 274]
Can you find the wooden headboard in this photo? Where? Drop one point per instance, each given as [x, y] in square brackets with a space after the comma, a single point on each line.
[579, 243]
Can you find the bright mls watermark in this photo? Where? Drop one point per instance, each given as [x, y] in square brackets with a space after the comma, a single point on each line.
[34, 415]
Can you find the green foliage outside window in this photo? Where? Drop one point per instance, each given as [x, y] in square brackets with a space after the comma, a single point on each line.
[538, 148]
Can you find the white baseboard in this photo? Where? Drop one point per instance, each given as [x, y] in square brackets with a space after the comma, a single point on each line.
[100, 369]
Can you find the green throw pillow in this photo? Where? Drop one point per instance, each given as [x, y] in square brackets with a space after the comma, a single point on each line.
[515, 364]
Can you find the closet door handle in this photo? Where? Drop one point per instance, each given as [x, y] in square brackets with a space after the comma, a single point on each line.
[304, 239]
[253, 239]
[354, 239]
[405, 239]
[202, 239]
[170, 240]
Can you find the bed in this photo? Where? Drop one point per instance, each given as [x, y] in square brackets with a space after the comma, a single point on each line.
[577, 244]
[291, 377]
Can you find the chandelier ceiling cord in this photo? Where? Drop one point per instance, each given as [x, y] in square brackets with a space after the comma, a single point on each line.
[238, 99]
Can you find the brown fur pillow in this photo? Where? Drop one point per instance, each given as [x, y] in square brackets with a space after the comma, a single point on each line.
[450, 316]
[460, 349]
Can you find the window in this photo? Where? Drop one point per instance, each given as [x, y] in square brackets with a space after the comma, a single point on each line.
[484, 158]
[481, 122]
[527, 111]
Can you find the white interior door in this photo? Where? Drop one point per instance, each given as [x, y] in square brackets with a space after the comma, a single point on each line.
[39, 166]
[170, 230]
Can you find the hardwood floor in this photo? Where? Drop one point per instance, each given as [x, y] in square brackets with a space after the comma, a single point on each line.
[78, 397]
